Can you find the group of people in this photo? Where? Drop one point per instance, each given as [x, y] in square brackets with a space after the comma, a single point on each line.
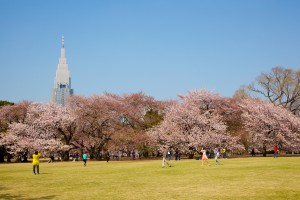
[118, 154]
[166, 152]
[275, 150]
[166, 157]
[177, 154]
[204, 157]
[216, 152]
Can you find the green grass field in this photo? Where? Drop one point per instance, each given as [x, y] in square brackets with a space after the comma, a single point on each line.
[240, 178]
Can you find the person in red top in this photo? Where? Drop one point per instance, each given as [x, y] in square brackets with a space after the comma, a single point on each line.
[275, 151]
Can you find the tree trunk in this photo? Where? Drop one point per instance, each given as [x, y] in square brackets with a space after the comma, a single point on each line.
[158, 153]
[264, 150]
[99, 154]
[146, 152]
[66, 155]
[25, 159]
[81, 152]
[92, 153]
[2, 151]
[128, 153]
[191, 154]
[9, 157]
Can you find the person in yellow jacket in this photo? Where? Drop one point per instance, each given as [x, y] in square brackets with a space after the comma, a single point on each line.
[36, 162]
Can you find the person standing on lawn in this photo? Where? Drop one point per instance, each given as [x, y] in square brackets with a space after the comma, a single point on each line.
[253, 152]
[275, 151]
[36, 162]
[224, 152]
[107, 156]
[216, 154]
[164, 161]
[84, 157]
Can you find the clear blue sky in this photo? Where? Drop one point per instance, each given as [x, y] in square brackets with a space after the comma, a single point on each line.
[160, 47]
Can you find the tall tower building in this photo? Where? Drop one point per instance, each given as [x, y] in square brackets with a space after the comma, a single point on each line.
[62, 82]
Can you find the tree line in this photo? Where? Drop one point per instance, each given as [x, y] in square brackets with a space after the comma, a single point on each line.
[201, 118]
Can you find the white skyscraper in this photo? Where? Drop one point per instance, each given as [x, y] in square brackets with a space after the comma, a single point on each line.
[62, 82]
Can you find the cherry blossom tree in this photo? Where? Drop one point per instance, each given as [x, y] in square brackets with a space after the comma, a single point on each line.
[23, 137]
[10, 113]
[141, 111]
[114, 122]
[46, 127]
[195, 121]
[232, 115]
[270, 125]
[97, 119]
[54, 119]
[138, 112]
[13, 113]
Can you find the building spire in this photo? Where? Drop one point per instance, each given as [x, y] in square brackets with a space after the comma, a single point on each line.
[63, 41]
[62, 81]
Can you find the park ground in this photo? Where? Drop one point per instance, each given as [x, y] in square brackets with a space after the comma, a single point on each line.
[238, 178]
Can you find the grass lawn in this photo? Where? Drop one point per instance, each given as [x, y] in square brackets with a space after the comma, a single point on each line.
[240, 178]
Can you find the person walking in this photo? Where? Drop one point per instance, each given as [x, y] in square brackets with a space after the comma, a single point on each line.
[51, 159]
[275, 151]
[107, 156]
[216, 154]
[224, 153]
[164, 161]
[170, 154]
[204, 158]
[176, 154]
[133, 154]
[76, 156]
[119, 155]
[84, 157]
[36, 162]
[253, 152]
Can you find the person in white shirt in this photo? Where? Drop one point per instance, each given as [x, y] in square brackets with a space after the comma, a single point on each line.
[164, 161]
[217, 154]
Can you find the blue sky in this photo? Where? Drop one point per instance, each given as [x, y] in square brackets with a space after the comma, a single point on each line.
[160, 47]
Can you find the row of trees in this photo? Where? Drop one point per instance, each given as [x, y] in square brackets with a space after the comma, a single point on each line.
[198, 119]
[93, 124]
[205, 119]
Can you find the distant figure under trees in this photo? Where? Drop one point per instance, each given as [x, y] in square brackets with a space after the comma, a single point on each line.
[107, 156]
[165, 161]
[275, 149]
[253, 152]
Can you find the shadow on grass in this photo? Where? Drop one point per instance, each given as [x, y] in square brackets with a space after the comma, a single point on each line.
[20, 197]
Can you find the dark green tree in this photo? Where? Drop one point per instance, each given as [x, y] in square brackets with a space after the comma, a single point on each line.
[3, 103]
